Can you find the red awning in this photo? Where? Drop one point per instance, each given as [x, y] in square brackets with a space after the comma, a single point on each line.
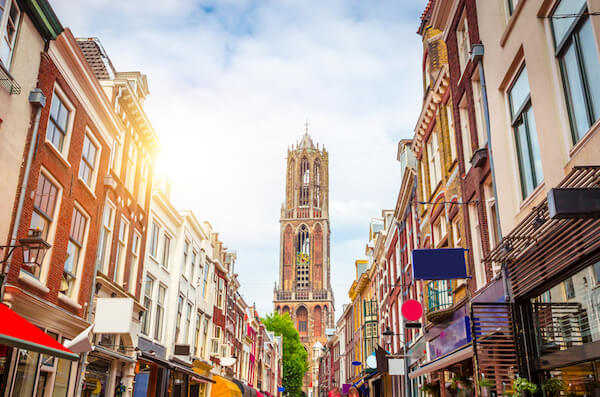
[259, 394]
[17, 332]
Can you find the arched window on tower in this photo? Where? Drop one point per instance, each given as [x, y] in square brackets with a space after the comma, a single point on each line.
[302, 320]
[317, 321]
[302, 258]
[305, 180]
[317, 189]
[325, 317]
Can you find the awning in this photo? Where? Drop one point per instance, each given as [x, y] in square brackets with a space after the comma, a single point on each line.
[452, 358]
[259, 394]
[190, 372]
[224, 388]
[246, 390]
[17, 332]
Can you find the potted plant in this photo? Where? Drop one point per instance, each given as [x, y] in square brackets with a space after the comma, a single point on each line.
[461, 382]
[553, 387]
[521, 386]
[485, 385]
[433, 389]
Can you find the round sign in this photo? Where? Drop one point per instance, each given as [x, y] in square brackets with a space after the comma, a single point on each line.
[412, 310]
[372, 361]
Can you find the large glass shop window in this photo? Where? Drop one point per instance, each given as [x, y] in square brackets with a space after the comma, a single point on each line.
[568, 314]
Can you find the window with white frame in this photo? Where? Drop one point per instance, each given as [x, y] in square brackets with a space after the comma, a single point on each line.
[178, 319]
[148, 289]
[44, 208]
[214, 349]
[194, 271]
[220, 293]
[10, 16]
[89, 159]
[188, 323]
[575, 45]
[435, 166]
[160, 312]
[526, 140]
[465, 133]
[104, 245]
[166, 252]
[205, 282]
[492, 216]
[475, 228]
[204, 336]
[186, 250]
[115, 157]
[121, 251]
[74, 252]
[479, 111]
[154, 240]
[424, 192]
[196, 341]
[451, 131]
[134, 261]
[58, 122]
[143, 184]
[131, 166]
[463, 42]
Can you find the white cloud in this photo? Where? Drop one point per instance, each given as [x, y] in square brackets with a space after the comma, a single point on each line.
[231, 84]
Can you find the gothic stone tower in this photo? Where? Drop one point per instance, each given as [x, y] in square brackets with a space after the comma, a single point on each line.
[304, 289]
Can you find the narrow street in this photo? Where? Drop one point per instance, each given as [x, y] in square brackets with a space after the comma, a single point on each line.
[253, 198]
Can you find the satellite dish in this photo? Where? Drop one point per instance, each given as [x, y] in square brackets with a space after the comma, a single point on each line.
[372, 361]
[227, 361]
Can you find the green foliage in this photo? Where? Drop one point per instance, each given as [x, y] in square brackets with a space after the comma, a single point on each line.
[553, 386]
[520, 385]
[485, 383]
[433, 389]
[295, 357]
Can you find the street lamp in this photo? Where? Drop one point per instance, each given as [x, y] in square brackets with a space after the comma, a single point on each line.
[34, 250]
[387, 338]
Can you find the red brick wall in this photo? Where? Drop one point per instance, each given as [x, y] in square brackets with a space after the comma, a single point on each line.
[472, 183]
[72, 190]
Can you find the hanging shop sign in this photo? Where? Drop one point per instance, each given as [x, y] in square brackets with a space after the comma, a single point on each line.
[439, 264]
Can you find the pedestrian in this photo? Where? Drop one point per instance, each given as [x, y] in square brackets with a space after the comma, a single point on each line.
[353, 392]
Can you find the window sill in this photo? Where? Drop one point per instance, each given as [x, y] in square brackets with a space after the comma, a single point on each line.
[592, 131]
[164, 269]
[68, 301]
[532, 196]
[58, 154]
[33, 282]
[511, 23]
[89, 189]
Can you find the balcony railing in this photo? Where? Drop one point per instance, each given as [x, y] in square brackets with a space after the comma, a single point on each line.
[302, 295]
[439, 295]
[561, 326]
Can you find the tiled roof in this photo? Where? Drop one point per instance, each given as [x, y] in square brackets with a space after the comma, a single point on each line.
[96, 58]
[428, 9]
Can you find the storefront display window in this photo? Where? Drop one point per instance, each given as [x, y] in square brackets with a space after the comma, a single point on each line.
[568, 314]
[26, 373]
[61, 379]
[574, 380]
[96, 377]
[5, 354]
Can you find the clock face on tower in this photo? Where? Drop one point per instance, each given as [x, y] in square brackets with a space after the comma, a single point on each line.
[304, 288]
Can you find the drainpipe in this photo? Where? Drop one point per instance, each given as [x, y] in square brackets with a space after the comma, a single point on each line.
[477, 52]
[38, 101]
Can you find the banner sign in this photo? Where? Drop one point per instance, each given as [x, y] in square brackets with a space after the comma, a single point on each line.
[439, 264]
[456, 335]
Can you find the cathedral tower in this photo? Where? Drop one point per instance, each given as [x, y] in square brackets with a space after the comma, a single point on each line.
[304, 288]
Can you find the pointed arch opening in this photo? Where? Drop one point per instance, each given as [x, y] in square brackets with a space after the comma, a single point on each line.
[302, 257]
[318, 323]
[317, 188]
[305, 183]
[302, 321]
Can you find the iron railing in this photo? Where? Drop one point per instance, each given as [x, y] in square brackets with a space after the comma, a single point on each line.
[439, 295]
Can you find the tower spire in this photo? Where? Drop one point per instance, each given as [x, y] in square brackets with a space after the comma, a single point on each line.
[306, 126]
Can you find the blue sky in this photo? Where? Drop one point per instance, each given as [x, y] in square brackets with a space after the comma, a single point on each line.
[231, 85]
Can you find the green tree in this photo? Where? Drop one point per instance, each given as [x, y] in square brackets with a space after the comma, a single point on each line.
[295, 357]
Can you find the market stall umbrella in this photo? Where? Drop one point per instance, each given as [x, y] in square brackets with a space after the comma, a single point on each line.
[15, 331]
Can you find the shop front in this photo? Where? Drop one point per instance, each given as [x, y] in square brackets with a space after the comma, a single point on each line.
[32, 362]
[449, 371]
[553, 262]
[109, 371]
